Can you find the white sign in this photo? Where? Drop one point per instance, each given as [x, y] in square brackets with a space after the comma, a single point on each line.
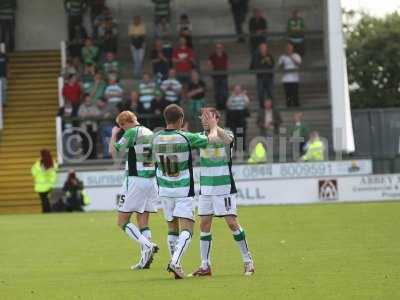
[249, 172]
[257, 184]
[303, 170]
[369, 188]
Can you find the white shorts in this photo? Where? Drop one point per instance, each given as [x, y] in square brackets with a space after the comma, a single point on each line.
[138, 195]
[178, 208]
[219, 206]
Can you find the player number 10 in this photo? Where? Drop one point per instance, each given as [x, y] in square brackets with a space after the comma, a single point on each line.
[169, 165]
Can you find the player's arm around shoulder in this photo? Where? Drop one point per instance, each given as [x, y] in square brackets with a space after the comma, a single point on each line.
[196, 140]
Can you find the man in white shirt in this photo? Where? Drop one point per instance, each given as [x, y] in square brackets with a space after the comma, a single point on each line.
[172, 88]
[290, 63]
[113, 92]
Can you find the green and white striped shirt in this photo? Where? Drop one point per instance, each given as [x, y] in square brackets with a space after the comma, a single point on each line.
[137, 144]
[146, 91]
[216, 169]
[172, 150]
[161, 8]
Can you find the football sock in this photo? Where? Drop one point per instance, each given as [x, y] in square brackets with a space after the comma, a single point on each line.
[134, 233]
[172, 238]
[240, 238]
[183, 243]
[147, 234]
[205, 249]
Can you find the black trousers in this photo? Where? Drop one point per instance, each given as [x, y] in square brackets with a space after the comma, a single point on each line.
[292, 93]
[265, 85]
[239, 12]
[7, 33]
[221, 91]
[74, 203]
[90, 146]
[44, 198]
[72, 22]
[236, 122]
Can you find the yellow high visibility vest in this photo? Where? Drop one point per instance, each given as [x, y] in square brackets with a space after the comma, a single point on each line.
[44, 180]
[315, 151]
[258, 155]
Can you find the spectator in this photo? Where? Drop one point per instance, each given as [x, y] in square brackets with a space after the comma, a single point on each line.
[76, 61]
[107, 26]
[163, 32]
[114, 91]
[290, 63]
[131, 104]
[7, 23]
[68, 131]
[99, 87]
[315, 148]
[44, 173]
[100, 20]
[258, 30]
[87, 78]
[296, 31]
[159, 104]
[137, 34]
[196, 96]
[269, 119]
[74, 10]
[237, 112]
[183, 59]
[3, 77]
[172, 88]
[86, 111]
[219, 62]
[65, 111]
[108, 111]
[109, 43]
[90, 52]
[263, 63]
[299, 131]
[111, 65]
[185, 29]
[146, 94]
[73, 189]
[161, 10]
[69, 68]
[159, 61]
[96, 8]
[72, 93]
[239, 11]
[79, 35]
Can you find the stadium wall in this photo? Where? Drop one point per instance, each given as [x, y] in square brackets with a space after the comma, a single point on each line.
[41, 25]
[258, 184]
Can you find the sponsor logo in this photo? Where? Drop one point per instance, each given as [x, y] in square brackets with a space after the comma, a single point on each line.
[328, 190]
[354, 167]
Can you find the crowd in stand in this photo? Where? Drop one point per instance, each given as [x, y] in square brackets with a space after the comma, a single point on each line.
[93, 73]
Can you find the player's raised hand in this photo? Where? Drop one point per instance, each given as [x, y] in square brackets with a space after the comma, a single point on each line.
[115, 130]
[210, 119]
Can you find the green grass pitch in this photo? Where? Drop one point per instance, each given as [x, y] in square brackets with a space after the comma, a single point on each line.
[336, 251]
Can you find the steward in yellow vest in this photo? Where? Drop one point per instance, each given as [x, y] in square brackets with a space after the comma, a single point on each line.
[315, 148]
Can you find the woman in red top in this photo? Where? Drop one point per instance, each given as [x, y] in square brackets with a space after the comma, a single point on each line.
[72, 93]
[183, 59]
[218, 62]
